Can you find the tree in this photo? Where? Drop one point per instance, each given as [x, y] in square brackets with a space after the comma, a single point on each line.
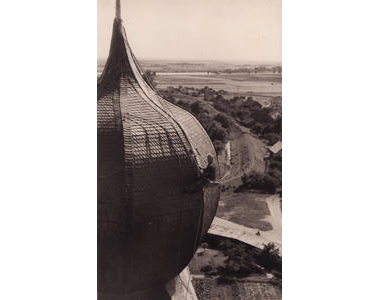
[218, 146]
[224, 120]
[171, 99]
[217, 132]
[264, 182]
[183, 104]
[204, 246]
[240, 260]
[269, 257]
[256, 129]
[196, 107]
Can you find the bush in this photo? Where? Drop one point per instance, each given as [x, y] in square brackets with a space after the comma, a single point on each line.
[276, 165]
[257, 181]
[261, 117]
[276, 174]
[225, 281]
[221, 107]
[224, 120]
[277, 157]
[272, 138]
[206, 269]
[217, 132]
[183, 105]
[240, 260]
[218, 146]
[269, 257]
[257, 129]
[196, 107]
[170, 98]
[269, 184]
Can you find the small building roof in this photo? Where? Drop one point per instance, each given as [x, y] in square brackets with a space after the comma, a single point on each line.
[277, 147]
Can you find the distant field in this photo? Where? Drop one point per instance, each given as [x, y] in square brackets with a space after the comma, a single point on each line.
[195, 75]
[259, 84]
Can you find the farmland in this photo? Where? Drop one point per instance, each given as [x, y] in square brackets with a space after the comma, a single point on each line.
[245, 79]
[246, 84]
[208, 289]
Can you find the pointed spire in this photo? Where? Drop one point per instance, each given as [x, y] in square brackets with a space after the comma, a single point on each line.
[118, 9]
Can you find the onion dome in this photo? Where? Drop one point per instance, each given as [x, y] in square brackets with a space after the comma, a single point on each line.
[150, 219]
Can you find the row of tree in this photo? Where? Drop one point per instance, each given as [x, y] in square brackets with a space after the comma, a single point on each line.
[243, 259]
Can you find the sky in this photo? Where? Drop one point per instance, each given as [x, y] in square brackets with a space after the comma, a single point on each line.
[228, 30]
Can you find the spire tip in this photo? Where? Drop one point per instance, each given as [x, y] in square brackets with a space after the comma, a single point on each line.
[118, 9]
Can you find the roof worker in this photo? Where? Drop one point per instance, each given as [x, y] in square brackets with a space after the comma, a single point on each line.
[205, 176]
[209, 172]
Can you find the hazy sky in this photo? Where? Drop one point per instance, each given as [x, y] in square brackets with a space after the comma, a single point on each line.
[246, 30]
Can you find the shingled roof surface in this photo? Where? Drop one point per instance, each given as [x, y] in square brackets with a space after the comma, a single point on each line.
[149, 151]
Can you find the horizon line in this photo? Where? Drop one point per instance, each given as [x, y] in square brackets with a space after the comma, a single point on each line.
[204, 60]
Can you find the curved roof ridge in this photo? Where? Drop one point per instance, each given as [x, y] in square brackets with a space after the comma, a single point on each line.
[122, 63]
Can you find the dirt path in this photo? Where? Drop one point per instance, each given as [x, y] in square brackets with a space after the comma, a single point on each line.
[242, 233]
[249, 235]
[247, 155]
[275, 212]
[181, 287]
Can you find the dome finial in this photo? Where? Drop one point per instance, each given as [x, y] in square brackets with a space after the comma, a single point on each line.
[118, 9]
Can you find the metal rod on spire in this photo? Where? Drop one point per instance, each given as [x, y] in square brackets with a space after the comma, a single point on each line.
[118, 9]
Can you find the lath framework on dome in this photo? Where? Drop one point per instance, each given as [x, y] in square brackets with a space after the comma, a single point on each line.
[149, 152]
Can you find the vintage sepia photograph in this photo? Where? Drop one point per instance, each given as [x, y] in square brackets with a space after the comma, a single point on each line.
[189, 149]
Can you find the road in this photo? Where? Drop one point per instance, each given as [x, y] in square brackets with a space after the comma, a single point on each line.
[247, 155]
[275, 219]
[181, 287]
[275, 212]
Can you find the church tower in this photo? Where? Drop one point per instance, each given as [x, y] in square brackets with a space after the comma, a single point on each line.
[149, 152]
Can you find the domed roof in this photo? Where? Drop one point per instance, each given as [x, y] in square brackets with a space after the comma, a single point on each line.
[149, 152]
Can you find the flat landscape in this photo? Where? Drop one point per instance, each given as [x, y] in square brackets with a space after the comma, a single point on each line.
[243, 80]
[255, 84]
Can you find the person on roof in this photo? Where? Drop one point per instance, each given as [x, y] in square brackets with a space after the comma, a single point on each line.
[209, 172]
[205, 176]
